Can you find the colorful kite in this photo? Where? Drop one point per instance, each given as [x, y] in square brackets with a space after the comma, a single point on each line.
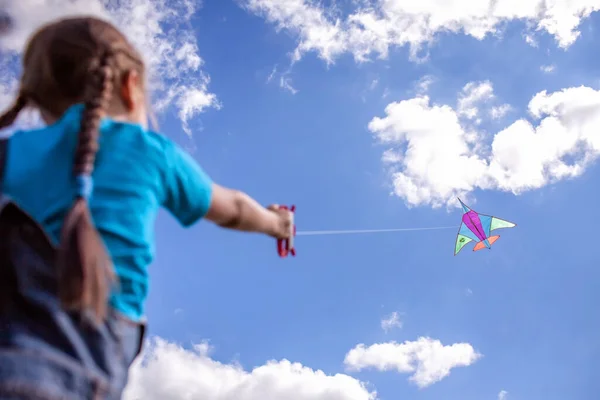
[477, 227]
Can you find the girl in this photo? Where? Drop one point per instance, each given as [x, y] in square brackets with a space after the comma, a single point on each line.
[77, 235]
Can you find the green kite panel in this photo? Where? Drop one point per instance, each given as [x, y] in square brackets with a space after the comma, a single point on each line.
[461, 241]
[498, 223]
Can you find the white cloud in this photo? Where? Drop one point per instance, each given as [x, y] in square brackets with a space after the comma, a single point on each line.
[428, 360]
[272, 74]
[437, 157]
[168, 371]
[503, 395]
[376, 27]
[391, 321]
[472, 95]
[433, 149]
[159, 29]
[309, 22]
[530, 40]
[285, 82]
[547, 68]
[192, 100]
[500, 111]
[423, 84]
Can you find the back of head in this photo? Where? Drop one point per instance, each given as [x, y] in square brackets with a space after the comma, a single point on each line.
[79, 60]
[68, 62]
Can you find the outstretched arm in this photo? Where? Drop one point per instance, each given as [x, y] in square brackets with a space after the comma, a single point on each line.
[234, 209]
[190, 195]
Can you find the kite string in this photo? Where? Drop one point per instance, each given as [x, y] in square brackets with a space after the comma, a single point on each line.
[359, 231]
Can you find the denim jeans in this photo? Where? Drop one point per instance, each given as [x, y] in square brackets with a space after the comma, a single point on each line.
[46, 352]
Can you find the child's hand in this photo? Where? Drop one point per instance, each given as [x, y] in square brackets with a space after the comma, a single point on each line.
[283, 222]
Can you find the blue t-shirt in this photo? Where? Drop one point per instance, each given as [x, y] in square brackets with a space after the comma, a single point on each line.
[137, 172]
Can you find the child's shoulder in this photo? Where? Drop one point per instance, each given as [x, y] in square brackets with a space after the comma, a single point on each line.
[113, 133]
[32, 135]
[132, 134]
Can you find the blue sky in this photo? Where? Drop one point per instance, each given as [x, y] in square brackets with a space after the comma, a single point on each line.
[521, 315]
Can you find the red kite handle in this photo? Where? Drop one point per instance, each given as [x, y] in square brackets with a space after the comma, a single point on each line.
[286, 246]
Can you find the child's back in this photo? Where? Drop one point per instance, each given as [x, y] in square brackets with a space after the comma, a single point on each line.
[136, 172]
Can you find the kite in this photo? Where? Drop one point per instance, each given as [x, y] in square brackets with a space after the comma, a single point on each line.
[477, 227]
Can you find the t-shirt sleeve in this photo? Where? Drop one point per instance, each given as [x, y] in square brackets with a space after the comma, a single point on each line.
[188, 189]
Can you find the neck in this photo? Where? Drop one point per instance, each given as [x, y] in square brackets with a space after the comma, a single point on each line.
[49, 119]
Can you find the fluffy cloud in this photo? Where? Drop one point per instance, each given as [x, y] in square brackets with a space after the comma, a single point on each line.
[391, 321]
[309, 22]
[500, 111]
[423, 84]
[435, 155]
[382, 24]
[168, 371]
[472, 95]
[428, 360]
[503, 395]
[160, 30]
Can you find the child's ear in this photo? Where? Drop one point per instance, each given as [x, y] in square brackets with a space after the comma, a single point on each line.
[130, 90]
